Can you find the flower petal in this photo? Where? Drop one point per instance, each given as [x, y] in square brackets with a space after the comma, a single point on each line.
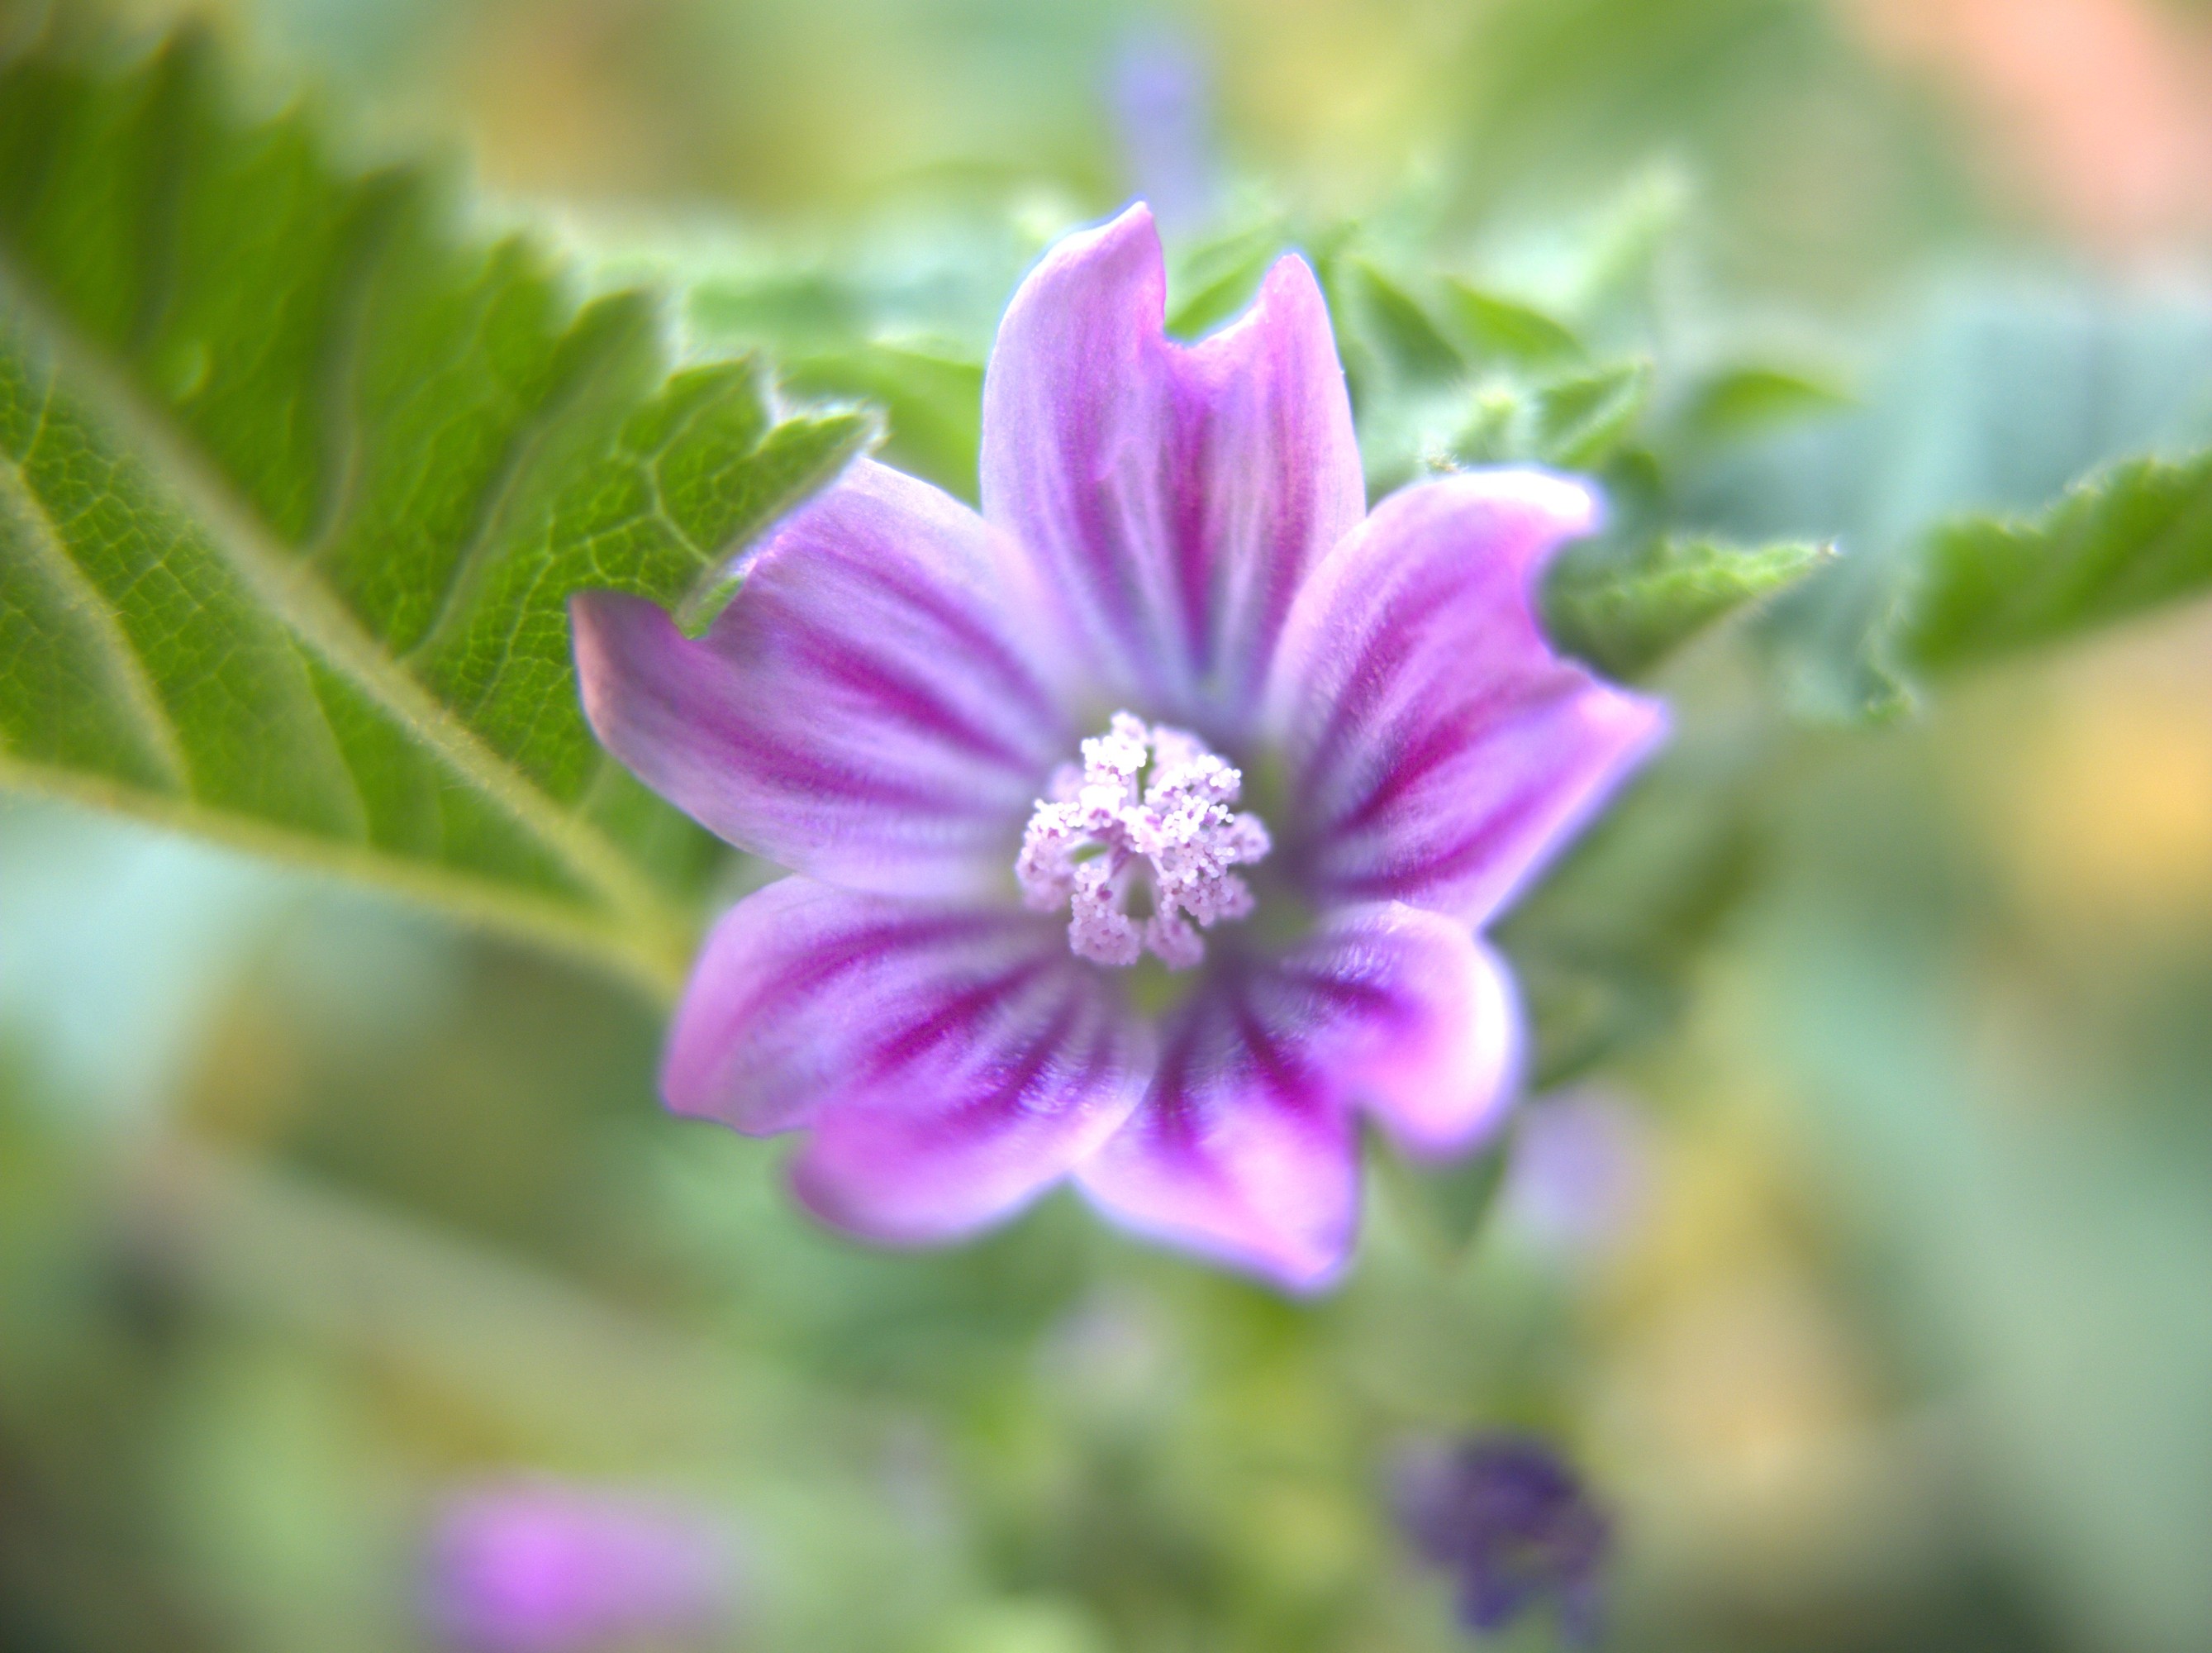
[1173, 495]
[1242, 1151]
[1438, 749]
[1419, 1018]
[864, 711]
[1243, 1148]
[952, 1062]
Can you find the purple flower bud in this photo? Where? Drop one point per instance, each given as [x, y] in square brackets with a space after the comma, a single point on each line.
[539, 1566]
[1581, 1174]
[1161, 91]
[1512, 1523]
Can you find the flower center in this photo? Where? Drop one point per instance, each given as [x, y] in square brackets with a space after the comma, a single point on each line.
[1137, 844]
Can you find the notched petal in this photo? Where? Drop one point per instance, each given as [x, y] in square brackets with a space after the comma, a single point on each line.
[1243, 1148]
[1172, 497]
[1439, 751]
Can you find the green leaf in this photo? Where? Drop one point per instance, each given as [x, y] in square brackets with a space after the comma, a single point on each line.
[1581, 421]
[932, 398]
[294, 484]
[1402, 332]
[1217, 277]
[1603, 948]
[2135, 538]
[846, 340]
[1624, 613]
[1740, 402]
[1509, 332]
[1994, 402]
[1445, 1205]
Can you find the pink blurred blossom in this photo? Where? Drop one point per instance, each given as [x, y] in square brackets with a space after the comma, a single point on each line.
[542, 1566]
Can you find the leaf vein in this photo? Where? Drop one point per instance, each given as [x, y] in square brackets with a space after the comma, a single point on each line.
[132, 680]
[523, 447]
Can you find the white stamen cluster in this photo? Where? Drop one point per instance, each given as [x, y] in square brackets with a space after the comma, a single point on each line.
[1148, 806]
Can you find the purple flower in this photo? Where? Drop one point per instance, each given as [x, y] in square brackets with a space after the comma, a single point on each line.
[541, 1567]
[1512, 1524]
[1141, 824]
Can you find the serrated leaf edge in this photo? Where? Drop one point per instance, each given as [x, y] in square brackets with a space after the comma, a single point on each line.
[319, 623]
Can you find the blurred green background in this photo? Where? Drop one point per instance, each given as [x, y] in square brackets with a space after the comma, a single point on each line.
[1896, 1332]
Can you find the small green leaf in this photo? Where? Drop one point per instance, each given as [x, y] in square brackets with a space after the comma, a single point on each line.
[932, 398]
[1739, 403]
[1602, 949]
[1217, 278]
[1402, 333]
[1508, 332]
[295, 485]
[1447, 1205]
[2137, 537]
[1492, 423]
[802, 307]
[1580, 421]
[1625, 612]
[2002, 396]
[841, 341]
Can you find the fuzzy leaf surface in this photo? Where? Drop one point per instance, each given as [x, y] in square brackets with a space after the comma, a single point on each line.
[2135, 538]
[1624, 613]
[295, 482]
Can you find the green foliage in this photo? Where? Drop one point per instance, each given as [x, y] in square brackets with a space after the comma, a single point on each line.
[1411, 340]
[1975, 588]
[930, 397]
[1508, 332]
[834, 344]
[1604, 947]
[1580, 421]
[1995, 402]
[1445, 1205]
[2132, 540]
[1445, 374]
[296, 484]
[1209, 282]
[1626, 613]
[1738, 402]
